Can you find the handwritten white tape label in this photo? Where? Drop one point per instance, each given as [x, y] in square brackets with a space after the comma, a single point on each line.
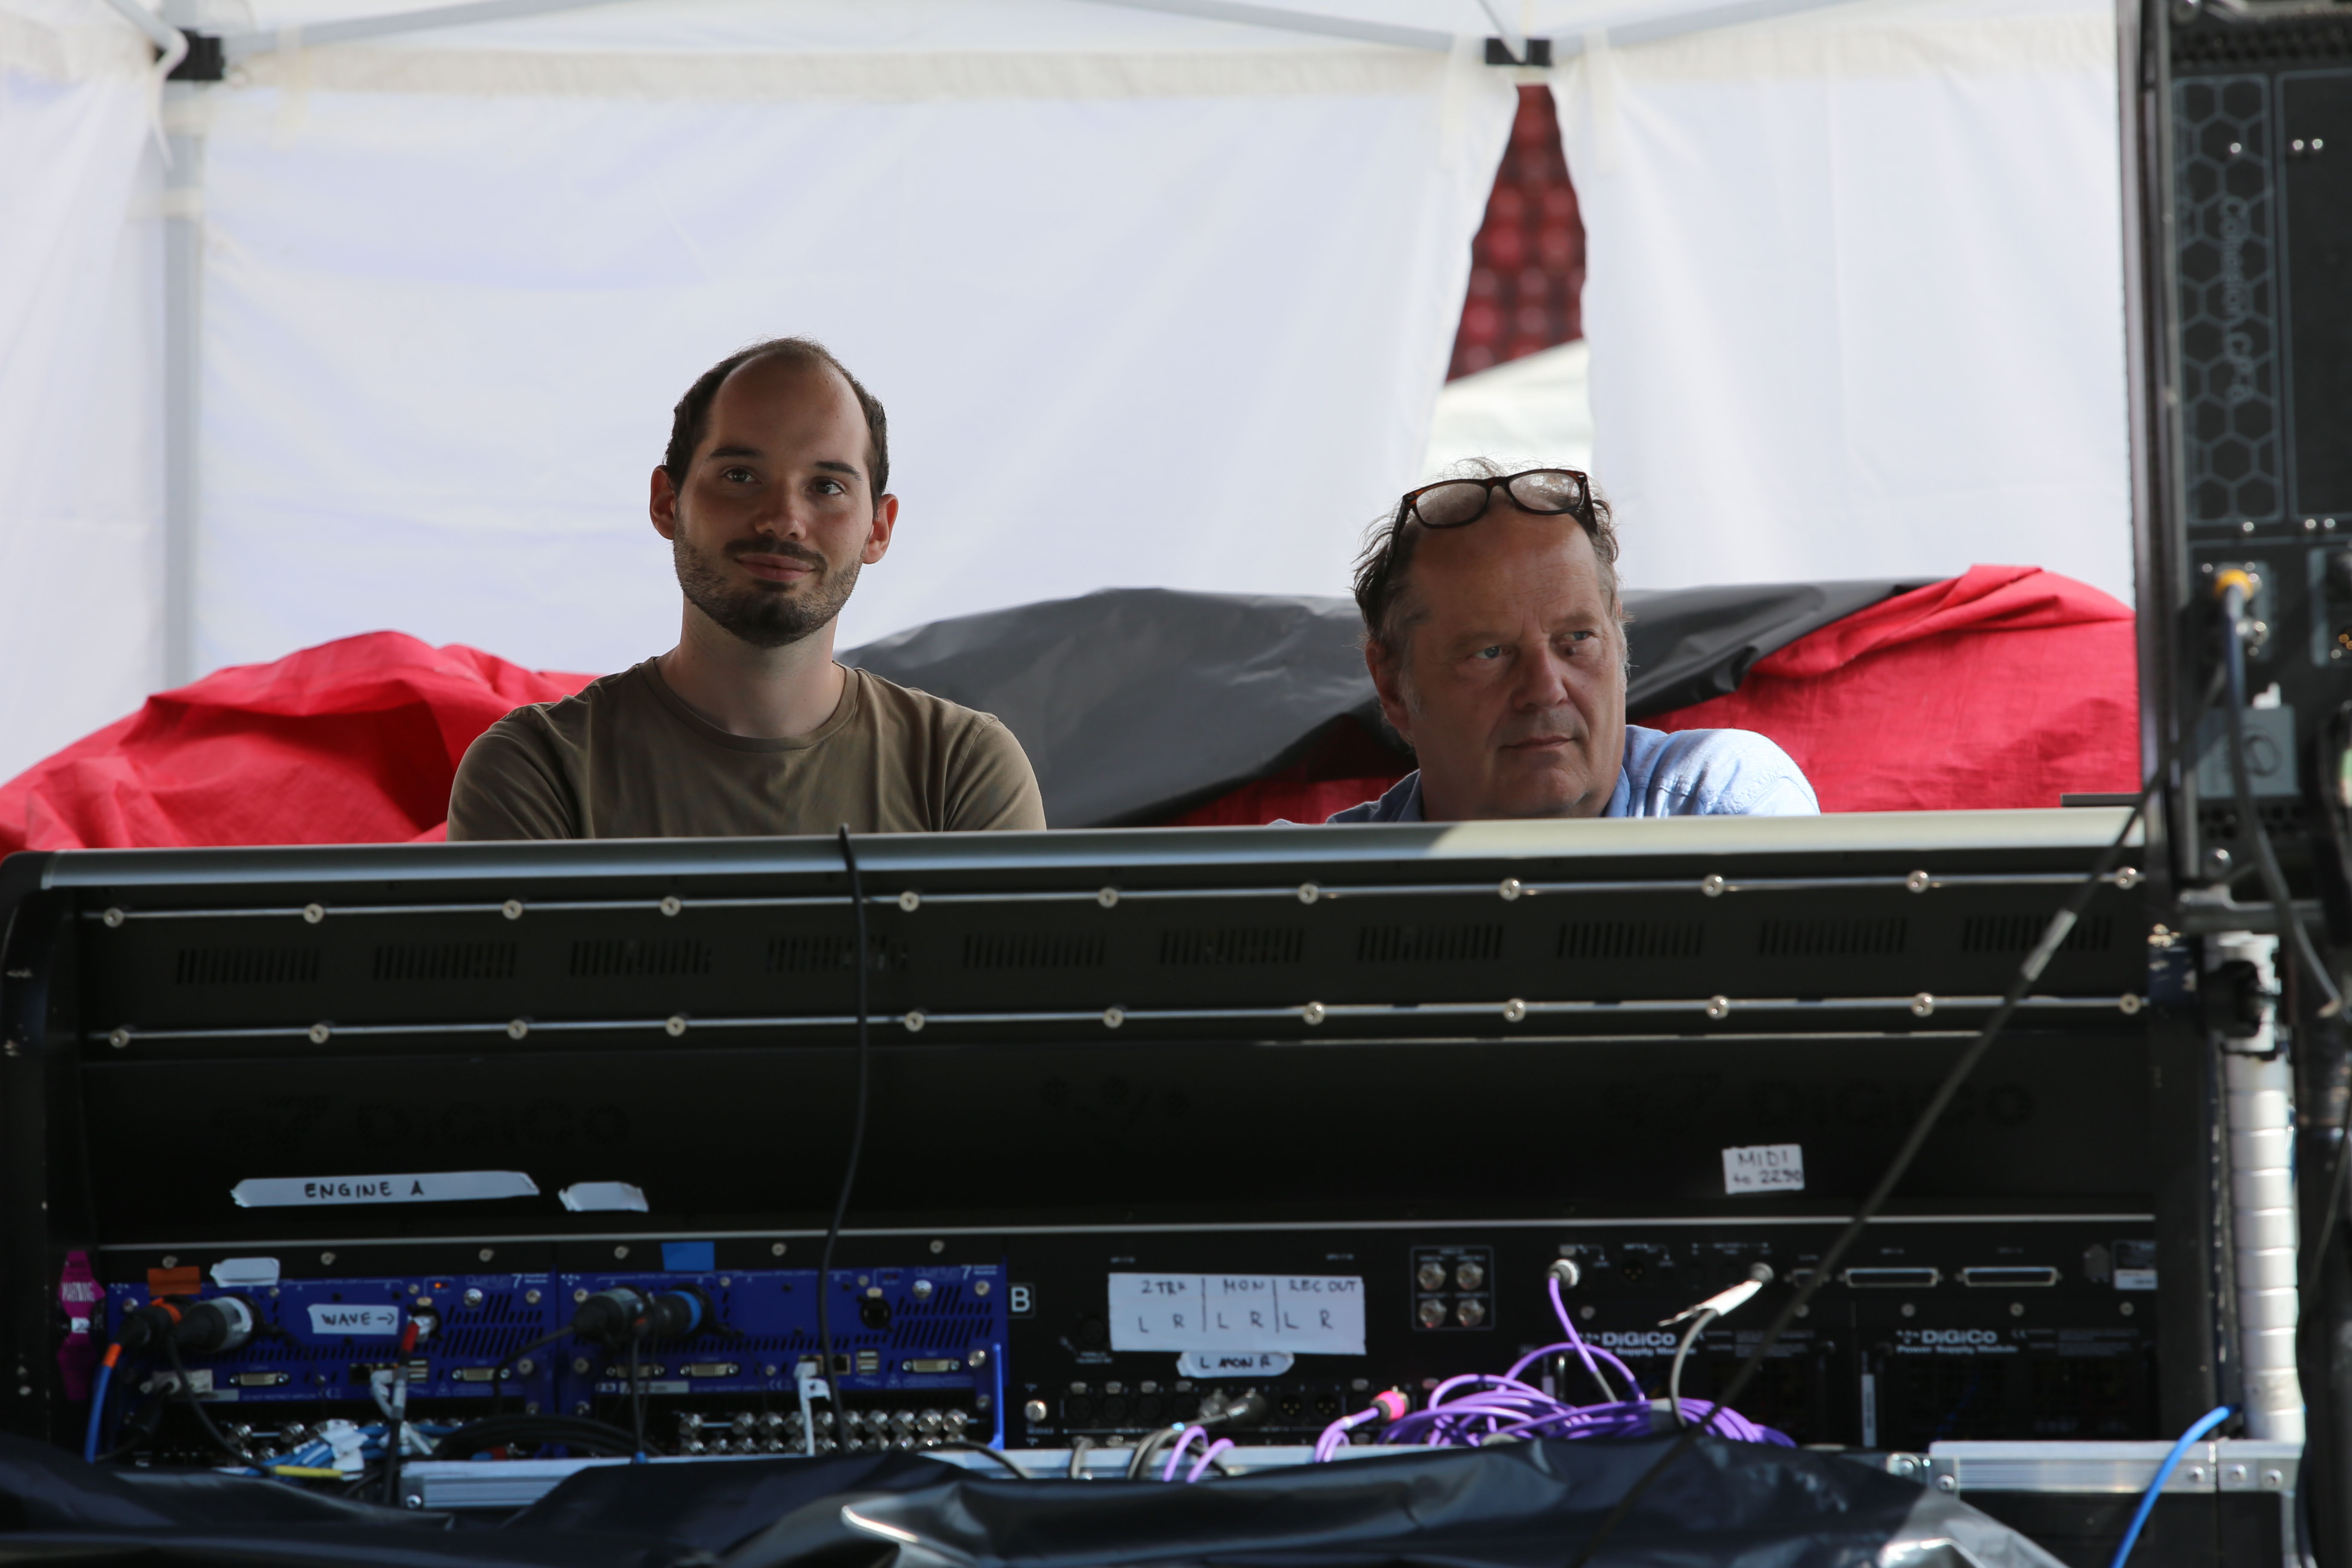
[1320, 1314]
[1765, 1168]
[245, 1273]
[1234, 1364]
[361, 1322]
[434, 1187]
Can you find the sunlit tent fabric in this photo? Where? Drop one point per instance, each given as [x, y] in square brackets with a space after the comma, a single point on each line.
[1155, 300]
[1152, 706]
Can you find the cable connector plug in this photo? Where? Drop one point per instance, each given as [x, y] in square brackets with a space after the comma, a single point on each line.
[1722, 1302]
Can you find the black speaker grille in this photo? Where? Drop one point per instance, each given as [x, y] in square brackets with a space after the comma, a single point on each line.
[1233, 944]
[2018, 933]
[1631, 939]
[615, 958]
[1033, 950]
[445, 961]
[1859, 936]
[1428, 944]
[246, 965]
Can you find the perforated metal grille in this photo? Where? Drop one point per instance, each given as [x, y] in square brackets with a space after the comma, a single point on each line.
[2229, 300]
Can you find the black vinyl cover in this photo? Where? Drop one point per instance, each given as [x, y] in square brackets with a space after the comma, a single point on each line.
[1522, 1506]
[1135, 704]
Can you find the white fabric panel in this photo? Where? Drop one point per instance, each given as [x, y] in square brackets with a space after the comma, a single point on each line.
[1523, 413]
[1854, 294]
[1148, 318]
[80, 367]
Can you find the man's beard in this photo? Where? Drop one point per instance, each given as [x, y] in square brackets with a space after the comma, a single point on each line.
[762, 616]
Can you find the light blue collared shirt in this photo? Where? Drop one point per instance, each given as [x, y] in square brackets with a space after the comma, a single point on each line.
[1688, 772]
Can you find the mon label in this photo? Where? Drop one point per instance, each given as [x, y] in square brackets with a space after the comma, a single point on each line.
[1234, 1364]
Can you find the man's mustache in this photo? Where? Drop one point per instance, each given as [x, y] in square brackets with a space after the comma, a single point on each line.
[800, 553]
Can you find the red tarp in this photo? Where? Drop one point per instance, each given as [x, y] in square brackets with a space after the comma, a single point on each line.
[2007, 687]
[354, 741]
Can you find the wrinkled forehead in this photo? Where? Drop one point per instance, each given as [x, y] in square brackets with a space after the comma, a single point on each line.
[1510, 565]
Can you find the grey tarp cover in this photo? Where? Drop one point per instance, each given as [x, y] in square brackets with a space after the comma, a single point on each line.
[1135, 704]
[1524, 1505]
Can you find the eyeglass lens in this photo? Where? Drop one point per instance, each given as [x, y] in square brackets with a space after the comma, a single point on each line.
[1459, 501]
[1548, 491]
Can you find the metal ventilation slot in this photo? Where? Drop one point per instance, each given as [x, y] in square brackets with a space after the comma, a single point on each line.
[445, 961]
[1239, 944]
[616, 958]
[1631, 939]
[2018, 933]
[246, 966]
[1428, 944]
[1856, 937]
[1033, 950]
[818, 952]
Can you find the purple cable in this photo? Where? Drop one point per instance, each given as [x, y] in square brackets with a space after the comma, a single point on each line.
[1176, 1455]
[1478, 1408]
[1208, 1457]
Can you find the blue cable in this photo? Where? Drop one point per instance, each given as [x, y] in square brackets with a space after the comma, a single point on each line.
[2204, 1424]
[96, 1412]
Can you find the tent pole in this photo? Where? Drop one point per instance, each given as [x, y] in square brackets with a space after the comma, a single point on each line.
[243, 46]
[1657, 29]
[182, 331]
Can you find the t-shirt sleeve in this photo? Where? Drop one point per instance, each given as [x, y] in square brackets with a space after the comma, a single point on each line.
[990, 783]
[508, 787]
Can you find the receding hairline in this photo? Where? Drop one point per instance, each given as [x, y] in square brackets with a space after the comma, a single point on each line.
[803, 361]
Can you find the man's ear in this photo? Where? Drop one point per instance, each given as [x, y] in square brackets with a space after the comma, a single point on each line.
[1388, 680]
[662, 505]
[877, 541]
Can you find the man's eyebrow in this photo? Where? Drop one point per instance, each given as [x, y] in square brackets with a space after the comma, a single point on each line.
[735, 451]
[852, 469]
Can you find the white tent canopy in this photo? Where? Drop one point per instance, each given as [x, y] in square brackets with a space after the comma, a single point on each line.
[1156, 295]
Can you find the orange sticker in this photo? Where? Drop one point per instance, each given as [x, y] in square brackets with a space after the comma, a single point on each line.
[174, 1281]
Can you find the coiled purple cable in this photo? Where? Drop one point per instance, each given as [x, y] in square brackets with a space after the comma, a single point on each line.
[1478, 1408]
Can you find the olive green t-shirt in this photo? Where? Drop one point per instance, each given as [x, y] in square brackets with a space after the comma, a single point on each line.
[626, 759]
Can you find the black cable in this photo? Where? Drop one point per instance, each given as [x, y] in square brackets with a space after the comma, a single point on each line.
[2339, 1168]
[393, 1429]
[2027, 972]
[507, 1431]
[2250, 823]
[499, 1377]
[1675, 1378]
[999, 1454]
[637, 1395]
[203, 1417]
[856, 1146]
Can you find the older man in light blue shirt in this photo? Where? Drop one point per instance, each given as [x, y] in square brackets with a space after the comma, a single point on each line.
[1498, 651]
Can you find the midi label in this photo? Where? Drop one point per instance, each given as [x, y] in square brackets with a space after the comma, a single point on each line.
[1764, 1168]
[1316, 1314]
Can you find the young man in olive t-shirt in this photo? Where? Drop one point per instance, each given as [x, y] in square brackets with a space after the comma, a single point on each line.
[773, 491]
